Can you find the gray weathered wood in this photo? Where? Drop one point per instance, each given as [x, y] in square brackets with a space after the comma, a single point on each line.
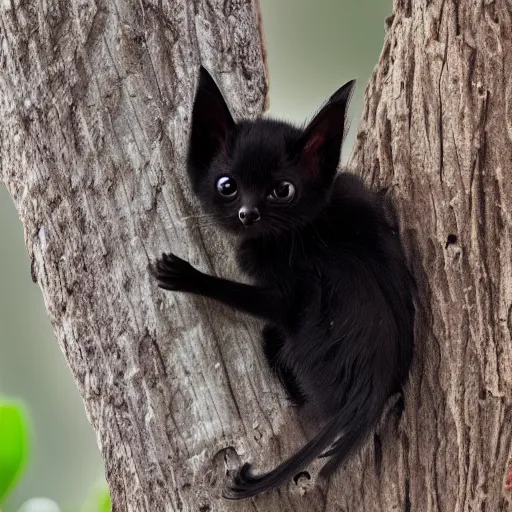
[437, 129]
[95, 100]
[94, 106]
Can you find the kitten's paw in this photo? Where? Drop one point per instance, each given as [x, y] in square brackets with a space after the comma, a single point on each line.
[173, 273]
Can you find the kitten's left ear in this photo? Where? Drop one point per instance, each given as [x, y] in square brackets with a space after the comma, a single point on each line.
[211, 122]
[320, 144]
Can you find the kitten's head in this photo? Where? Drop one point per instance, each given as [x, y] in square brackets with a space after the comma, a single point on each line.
[263, 177]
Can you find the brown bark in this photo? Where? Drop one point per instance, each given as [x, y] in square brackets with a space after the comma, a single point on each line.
[437, 129]
[94, 105]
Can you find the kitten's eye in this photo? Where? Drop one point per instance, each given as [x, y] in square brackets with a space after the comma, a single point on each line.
[227, 187]
[282, 193]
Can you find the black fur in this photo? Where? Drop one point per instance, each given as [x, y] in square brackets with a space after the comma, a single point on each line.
[328, 269]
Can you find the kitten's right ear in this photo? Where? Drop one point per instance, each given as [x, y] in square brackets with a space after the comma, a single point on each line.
[211, 122]
[320, 145]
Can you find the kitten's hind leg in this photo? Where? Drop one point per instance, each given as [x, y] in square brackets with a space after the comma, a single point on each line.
[273, 341]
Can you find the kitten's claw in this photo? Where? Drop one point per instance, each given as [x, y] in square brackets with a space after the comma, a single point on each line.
[175, 274]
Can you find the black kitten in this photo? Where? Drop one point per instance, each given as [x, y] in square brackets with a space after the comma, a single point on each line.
[329, 272]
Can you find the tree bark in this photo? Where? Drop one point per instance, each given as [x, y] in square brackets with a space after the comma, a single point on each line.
[437, 130]
[95, 103]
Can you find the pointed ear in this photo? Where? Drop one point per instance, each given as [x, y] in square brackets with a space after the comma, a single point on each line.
[320, 144]
[211, 122]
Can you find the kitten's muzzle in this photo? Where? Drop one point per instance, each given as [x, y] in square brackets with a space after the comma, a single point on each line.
[248, 216]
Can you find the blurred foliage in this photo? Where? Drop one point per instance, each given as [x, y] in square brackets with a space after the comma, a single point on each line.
[14, 457]
[98, 501]
[13, 444]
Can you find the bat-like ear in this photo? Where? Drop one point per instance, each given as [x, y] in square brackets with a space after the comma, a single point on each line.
[320, 145]
[211, 122]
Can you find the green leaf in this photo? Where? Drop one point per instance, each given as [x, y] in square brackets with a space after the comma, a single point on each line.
[99, 499]
[104, 504]
[13, 444]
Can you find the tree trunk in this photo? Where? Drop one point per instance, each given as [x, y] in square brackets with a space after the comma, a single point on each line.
[95, 105]
[437, 130]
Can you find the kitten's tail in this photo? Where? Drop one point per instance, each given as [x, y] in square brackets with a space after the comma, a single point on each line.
[353, 421]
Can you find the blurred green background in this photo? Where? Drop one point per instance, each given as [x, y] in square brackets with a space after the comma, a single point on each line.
[313, 47]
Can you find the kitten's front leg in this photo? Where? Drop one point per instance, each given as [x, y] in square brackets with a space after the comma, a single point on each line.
[175, 274]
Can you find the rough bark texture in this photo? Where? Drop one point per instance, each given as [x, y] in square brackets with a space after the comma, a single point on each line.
[94, 106]
[437, 129]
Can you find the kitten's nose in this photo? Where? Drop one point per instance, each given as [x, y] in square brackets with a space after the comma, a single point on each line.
[248, 216]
